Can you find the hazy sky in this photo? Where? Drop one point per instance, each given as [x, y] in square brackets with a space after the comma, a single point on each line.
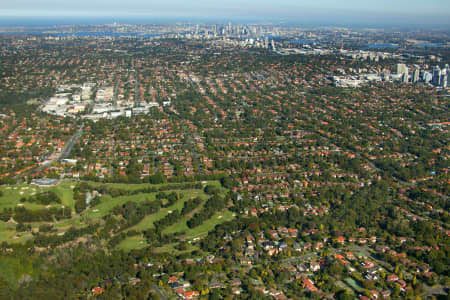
[420, 11]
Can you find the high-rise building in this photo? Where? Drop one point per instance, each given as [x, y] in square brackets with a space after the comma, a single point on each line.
[402, 70]
[405, 77]
[415, 75]
[444, 80]
[266, 42]
[436, 75]
[427, 77]
[272, 45]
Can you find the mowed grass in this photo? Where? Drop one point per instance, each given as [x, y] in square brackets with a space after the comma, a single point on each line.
[201, 230]
[149, 220]
[133, 242]
[7, 231]
[170, 248]
[107, 203]
[125, 186]
[133, 187]
[13, 193]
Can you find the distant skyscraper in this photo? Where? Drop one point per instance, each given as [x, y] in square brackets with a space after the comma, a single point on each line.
[427, 77]
[415, 75]
[405, 77]
[266, 42]
[437, 76]
[402, 69]
[444, 80]
[272, 45]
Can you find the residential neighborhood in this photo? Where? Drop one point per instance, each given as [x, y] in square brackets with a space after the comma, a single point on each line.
[219, 163]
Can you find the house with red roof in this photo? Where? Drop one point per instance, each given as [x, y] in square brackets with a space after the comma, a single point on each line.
[191, 295]
[309, 285]
[97, 290]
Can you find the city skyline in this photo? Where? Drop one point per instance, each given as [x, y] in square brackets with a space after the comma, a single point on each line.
[327, 12]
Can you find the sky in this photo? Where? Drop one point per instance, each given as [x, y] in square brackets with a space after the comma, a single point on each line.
[331, 11]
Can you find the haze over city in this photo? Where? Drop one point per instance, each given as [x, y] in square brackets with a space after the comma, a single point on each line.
[326, 12]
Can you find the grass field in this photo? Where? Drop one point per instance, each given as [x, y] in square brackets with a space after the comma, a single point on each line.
[7, 231]
[201, 230]
[170, 248]
[108, 203]
[148, 221]
[351, 282]
[13, 193]
[133, 242]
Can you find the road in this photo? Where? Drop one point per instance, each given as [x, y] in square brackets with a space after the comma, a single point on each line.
[410, 184]
[160, 293]
[136, 88]
[364, 250]
[70, 144]
[64, 153]
[190, 143]
[430, 291]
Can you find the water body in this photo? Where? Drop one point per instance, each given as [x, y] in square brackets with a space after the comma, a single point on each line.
[377, 46]
[428, 45]
[88, 34]
[33, 22]
[394, 46]
[301, 41]
[108, 34]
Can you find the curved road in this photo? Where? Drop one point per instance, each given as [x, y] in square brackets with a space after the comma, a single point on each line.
[160, 293]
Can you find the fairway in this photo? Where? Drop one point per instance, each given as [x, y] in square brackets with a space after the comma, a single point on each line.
[133, 242]
[201, 230]
[7, 231]
[148, 221]
[95, 214]
[107, 203]
[13, 193]
[170, 248]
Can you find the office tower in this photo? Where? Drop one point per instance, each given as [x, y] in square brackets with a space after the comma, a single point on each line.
[427, 77]
[272, 45]
[436, 75]
[405, 77]
[415, 75]
[402, 69]
[444, 80]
